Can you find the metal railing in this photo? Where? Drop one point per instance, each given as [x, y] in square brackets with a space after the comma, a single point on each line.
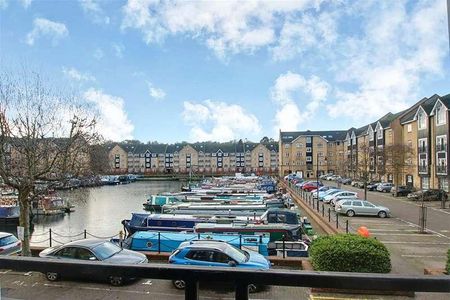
[240, 278]
[441, 147]
[423, 169]
[423, 149]
[441, 169]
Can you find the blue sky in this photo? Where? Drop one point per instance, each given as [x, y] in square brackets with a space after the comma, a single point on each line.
[222, 70]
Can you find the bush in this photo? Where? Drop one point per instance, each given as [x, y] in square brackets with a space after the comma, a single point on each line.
[349, 253]
[448, 262]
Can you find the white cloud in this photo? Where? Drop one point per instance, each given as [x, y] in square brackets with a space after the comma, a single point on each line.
[291, 90]
[113, 122]
[47, 28]
[94, 11]
[26, 3]
[156, 93]
[77, 75]
[219, 121]
[399, 46]
[226, 27]
[118, 49]
[98, 54]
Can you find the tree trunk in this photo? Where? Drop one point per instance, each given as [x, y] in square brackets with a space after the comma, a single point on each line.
[24, 219]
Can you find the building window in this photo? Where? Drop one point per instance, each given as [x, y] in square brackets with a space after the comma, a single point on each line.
[370, 133]
[425, 183]
[308, 158]
[308, 139]
[422, 120]
[441, 143]
[409, 128]
[443, 184]
[286, 146]
[422, 145]
[320, 153]
[380, 133]
[440, 114]
[319, 145]
[308, 149]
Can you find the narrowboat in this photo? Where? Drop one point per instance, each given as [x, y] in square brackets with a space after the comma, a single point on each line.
[168, 208]
[9, 210]
[155, 241]
[155, 202]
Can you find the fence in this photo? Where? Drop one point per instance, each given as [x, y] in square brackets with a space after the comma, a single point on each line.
[239, 277]
[326, 212]
[51, 237]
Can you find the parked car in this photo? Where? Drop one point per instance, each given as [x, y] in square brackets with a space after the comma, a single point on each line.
[322, 195]
[338, 195]
[402, 190]
[216, 254]
[357, 183]
[342, 195]
[384, 187]
[428, 195]
[9, 244]
[312, 185]
[354, 207]
[344, 181]
[92, 250]
[372, 186]
[322, 189]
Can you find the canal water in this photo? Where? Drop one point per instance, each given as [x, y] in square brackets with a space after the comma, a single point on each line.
[98, 210]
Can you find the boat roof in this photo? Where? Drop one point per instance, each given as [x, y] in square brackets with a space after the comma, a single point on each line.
[182, 236]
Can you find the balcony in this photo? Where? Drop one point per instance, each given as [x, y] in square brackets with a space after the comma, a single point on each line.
[441, 170]
[423, 169]
[423, 149]
[441, 147]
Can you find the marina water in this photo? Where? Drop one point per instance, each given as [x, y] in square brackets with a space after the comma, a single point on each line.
[98, 210]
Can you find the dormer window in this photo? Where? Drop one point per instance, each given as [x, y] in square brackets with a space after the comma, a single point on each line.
[371, 135]
[380, 134]
[421, 120]
[440, 114]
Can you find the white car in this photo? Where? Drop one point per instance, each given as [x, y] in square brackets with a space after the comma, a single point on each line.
[339, 195]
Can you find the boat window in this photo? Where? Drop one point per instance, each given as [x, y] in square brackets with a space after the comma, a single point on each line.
[8, 240]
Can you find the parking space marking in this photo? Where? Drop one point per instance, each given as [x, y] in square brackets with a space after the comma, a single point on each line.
[423, 256]
[409, 234]
[414, 243]
[428, 230]
[392, 230]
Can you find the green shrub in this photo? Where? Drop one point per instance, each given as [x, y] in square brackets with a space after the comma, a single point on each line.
[349, 253]
[448, 262]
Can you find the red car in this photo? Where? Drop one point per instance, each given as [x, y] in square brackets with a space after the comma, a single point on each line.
[311, 186]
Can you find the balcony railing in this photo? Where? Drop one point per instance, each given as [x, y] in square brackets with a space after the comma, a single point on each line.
[423, 149]
[239, 277]
[441, 169]
[441, 147]
[423, 169]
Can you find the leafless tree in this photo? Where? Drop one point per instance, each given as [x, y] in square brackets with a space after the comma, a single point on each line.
[365, 153]
[44, 135]
[398, 160]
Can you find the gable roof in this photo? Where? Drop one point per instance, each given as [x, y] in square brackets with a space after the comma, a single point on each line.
[329, 135]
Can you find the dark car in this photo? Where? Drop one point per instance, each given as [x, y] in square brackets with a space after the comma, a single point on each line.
[92, 250]
[402, 190]
[428, 195]
[372, 186]
[345, 181]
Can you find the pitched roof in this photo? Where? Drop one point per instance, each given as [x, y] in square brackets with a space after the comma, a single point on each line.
[329, 135]
[446, 100]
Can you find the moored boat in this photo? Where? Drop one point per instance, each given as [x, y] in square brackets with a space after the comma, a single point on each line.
[9, 210]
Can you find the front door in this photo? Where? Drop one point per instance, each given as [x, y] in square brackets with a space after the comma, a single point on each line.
[409, 180]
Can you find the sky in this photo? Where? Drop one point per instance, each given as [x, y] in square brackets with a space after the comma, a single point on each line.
[172, 71]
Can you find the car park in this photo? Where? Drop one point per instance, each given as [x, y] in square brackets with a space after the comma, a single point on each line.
[338, 195]
[217, 254]
[312, 185]
[9, 244]
[401, 190]
[355, 207]
[384, 187]
[94, 250]
[428, 195]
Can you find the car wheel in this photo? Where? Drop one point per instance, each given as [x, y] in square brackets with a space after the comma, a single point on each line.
[179, 284]
[116, 280]
[52, 276]
[252, 288]
[350, 213]
[382, 214]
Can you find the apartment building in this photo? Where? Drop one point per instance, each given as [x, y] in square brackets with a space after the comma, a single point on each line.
[204, 158]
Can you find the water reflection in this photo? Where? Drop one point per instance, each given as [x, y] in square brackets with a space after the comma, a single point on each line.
[98, 210]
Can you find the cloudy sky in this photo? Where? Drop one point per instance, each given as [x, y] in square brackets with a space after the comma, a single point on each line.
[222, 70]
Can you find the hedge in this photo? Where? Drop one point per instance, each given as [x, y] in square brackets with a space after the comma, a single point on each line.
[448, 262]
[349, 253]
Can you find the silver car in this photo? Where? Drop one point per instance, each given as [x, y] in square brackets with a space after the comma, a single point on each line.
[9, 244]
[352, 207]
[92, 250]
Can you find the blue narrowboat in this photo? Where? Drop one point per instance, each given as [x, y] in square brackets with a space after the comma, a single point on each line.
[169, 241]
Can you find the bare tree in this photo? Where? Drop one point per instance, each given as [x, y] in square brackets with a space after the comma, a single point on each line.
[398, 160]
[44, 135]
[365, 153]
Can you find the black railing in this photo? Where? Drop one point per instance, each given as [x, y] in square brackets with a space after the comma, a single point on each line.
[241, 278]
[441, 147]
[423, 169]
[441, 169]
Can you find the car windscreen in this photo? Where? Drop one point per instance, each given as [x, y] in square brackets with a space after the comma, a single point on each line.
[10, 239]
[237, 254]
[106, 250]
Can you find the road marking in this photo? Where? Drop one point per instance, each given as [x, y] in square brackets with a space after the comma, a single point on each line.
[313, 297]
[408, 234]
[435, 232]
[402, 230]
[147, 282]
[423, 256]
[414, 243]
